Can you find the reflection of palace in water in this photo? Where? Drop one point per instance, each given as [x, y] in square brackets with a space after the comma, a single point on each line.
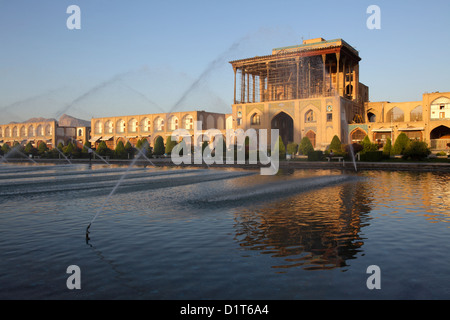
[311, 232]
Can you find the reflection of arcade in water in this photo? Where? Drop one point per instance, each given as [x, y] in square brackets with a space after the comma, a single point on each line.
[315, 230]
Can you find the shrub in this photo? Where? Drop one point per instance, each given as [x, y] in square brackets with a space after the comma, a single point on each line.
[441, 153]
[120, 152]
[84, 151]
[169, 145]
[387, 149]
[5, 148]
[372, 156]
[292, 148]
[356, 147]
[335, 144]
[129, 149]
[159, 146]
[103, 149]
[416, 150]
[400, 144]
[68, 150]
[29, 149]
[42, 148]
[368, 146]
[281, 149]
[315, 155]
[305, 146]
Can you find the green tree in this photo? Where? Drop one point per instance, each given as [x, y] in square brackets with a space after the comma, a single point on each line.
[336, 144]
[42, 148]
[416, 150]
[305, 146]
[159, 146]
[368, 145]
[103, 149]
[30, 149]
[400, 144]
[129, 149]
[120, 152]
[387, 148]
[170, 144]
[281, 149]
[6, 148]
[69, 149]
[85, 151]
[292, 148]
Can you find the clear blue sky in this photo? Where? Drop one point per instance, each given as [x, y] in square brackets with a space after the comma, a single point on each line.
[136, 57]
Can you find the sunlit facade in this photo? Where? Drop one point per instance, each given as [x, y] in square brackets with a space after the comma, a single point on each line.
[132, 128]
[426, 120]
[48, 132]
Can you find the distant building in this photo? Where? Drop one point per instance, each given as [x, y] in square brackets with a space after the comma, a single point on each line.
[47, 131]
[131, 128]
[426, 120]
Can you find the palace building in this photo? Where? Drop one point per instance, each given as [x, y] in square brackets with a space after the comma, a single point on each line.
[309, 90]
[313, 90]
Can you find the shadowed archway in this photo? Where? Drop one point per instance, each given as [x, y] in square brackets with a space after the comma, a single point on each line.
[285, 124]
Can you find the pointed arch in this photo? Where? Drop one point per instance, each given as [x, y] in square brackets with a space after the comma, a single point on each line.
[120, 126]
[285, 124]
[188, 122]
[416, 114]
[357, 135]
[395, 114]
[133, 125]
[109, 127]
[311, 135]
[98, 127]
[23, 131]
[146, 125]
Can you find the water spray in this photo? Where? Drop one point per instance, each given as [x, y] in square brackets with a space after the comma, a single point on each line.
[15, 149]
[114, 190]
[97, 155]
[63, 155]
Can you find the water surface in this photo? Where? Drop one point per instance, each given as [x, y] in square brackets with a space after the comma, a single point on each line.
[222, 233]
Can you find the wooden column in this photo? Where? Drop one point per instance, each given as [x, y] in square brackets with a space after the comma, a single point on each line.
[324, 58]
[254, 88]
[262, 85]
[344, 73]
[248, 87]
[357, 98]
[298, 76]
[268, 83]
[234, 69]
[338, 56]
[243, 86]
[309, 77]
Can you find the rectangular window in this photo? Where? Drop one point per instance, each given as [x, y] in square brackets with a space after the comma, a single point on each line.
[329, 117]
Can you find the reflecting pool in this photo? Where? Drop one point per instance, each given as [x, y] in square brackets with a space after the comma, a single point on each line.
[170, 233]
